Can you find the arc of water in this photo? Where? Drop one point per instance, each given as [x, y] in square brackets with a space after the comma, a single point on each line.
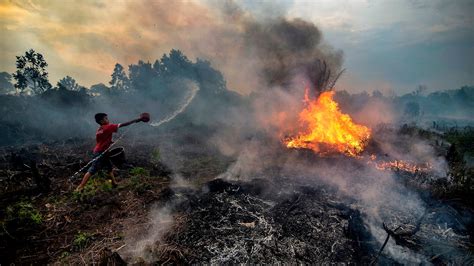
[189, 99]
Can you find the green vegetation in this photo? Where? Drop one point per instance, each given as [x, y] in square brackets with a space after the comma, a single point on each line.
[414, 130]
[139, 185]
[25, 212]
[64, 255]
[155, 156]
[460, 183]
[139, 171]
[81, 240]
[58, 200]
[95, 185]
[138, 179]
[462, 177]
[463, 139]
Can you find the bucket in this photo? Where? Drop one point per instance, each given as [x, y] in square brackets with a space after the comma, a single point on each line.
[145, 117]
[117, 156]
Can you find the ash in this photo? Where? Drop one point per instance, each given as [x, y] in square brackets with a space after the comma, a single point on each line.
[261, 221]
[285, 219]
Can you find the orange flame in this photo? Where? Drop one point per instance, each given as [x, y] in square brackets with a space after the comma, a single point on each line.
[399, 165]
[326, 129]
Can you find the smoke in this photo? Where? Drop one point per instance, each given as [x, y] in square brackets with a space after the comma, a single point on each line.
[410, 147]
[376, 112]
[379, 195]
[254, 50]
[144, 246]
[287, 48]
[281, 49]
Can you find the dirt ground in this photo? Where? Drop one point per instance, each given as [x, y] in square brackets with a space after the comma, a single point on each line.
[45, 221]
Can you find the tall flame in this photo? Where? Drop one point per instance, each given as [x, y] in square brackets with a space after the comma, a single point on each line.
[324, 128]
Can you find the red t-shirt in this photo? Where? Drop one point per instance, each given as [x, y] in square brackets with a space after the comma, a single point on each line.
[103, 136]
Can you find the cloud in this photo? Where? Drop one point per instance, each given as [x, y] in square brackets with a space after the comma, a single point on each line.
[93, 35]
[85, 39]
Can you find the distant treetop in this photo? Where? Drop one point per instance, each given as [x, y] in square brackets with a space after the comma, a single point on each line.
[31, 75]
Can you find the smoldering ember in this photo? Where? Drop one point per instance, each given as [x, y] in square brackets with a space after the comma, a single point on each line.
[230, 132]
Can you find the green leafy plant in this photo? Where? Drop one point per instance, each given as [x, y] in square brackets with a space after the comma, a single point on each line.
[25, 212]
[95, 185]
[81, 240]
[64, 255]
[139, 184]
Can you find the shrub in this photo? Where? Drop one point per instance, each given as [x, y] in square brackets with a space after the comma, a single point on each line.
[139, 171]
[25, 212]
[64, 255]
[81, 240]
[96, 184]
[155, 156]
[139, 184]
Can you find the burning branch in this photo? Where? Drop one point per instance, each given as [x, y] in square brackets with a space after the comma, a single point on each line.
[320, 76]
[333, 83]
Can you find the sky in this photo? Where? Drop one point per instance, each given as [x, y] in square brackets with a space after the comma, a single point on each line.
[389, 45]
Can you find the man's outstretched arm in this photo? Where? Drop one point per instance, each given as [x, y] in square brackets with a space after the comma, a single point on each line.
[130, 122]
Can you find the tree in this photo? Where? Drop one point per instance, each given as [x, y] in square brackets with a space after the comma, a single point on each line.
[177, 63]
[119, 80]
[69, 83]
[100, 89]
[5, 83]
[420, 91]
[412, 109]
[210, 80]
[377, 94]
[31, 73]
[142, 75]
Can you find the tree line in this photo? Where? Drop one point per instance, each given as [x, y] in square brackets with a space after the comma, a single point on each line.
[32, 78]
[156, 81]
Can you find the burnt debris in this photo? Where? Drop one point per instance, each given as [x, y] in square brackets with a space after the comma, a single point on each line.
[247, 222]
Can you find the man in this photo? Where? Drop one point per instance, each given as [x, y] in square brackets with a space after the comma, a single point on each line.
[103, 138]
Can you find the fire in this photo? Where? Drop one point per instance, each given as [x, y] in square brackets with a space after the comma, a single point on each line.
[399, 165]
[325, 129]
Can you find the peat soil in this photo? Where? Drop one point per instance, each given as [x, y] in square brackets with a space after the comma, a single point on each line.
[247, 222]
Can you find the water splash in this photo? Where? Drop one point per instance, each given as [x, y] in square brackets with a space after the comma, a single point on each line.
[189, 98]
